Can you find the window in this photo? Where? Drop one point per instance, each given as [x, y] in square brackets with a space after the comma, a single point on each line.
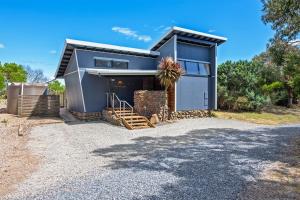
[111, 63]
[195, 67]
[102, 63]
[204, 69]
[191, 68]
[119, 65]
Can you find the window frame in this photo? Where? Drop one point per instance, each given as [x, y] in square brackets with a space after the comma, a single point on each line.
[111, 60]
[198, 62]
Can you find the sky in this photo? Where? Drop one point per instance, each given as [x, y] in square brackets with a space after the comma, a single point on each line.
[32, 32]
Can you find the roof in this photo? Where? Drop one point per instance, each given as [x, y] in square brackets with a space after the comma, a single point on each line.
[190, 33]
[71, 44]
[121, 72]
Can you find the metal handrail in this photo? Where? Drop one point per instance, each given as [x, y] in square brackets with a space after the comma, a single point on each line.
[122, 103]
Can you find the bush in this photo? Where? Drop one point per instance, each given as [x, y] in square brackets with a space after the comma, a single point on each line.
[239, 86]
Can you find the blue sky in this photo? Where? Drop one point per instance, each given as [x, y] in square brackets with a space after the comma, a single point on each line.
[32, 32]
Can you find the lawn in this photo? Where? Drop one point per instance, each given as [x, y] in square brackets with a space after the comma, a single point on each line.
[269, 116]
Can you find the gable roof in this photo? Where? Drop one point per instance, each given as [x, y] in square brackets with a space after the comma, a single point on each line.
[190, 33]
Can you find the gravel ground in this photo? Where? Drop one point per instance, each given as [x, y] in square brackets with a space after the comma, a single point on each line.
[190, 159]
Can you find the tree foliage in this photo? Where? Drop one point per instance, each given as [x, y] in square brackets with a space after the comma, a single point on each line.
[35, 75]
[239, 86]
[13, 72]
[284, 15]
[287, 60]
[169, 72]
[2, 82]
[56, 87]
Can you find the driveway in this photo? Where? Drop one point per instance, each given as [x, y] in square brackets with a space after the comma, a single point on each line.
[190, 159]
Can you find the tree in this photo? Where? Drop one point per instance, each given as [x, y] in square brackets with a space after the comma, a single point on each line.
[2, 80]
[287, 59]
[13, 72]
[35, 75]
[239, 86]
[284, 15]
[169, 72]
[56, 87]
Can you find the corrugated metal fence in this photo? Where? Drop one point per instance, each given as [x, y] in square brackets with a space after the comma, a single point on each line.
[38, 105]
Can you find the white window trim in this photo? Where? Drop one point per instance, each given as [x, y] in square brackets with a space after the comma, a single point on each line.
[190, 60]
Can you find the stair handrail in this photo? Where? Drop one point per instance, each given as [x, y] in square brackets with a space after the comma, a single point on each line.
[122, 103]
[131, 108]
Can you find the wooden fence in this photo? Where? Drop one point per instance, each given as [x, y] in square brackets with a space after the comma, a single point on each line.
[38, 105]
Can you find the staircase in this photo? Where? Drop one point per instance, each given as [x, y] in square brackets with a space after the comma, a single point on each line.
[124, 111]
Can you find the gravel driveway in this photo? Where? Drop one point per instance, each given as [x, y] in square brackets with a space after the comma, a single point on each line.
[190, 159]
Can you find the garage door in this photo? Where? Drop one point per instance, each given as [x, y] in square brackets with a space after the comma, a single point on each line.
[192, 93]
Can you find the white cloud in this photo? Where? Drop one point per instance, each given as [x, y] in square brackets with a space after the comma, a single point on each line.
[52, 52]
[131, 33]
[2, 46]
[162, 28]
[211, 30]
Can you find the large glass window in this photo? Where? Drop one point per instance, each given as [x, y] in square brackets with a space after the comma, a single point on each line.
[195, 67]
[191, 68]
[111, 63]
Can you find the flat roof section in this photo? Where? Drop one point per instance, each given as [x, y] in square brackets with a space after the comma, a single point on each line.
[71, 44]
[188, 33]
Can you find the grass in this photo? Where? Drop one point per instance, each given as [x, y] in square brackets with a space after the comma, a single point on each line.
[273, 116]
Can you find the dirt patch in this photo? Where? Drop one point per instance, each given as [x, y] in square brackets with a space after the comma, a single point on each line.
[16, 160]
[281, 179]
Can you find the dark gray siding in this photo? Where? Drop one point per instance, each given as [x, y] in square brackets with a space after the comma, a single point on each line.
[190, 93]
[86, 59]
[193, 52]
[167, 49]
[72, 65]
[190, 89]
[213, 80]
[73, 92]
[95, 89]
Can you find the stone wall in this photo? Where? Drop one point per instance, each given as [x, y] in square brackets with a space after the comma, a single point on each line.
[190, 114]
[108, 116]
[147, 103]
[90, 116]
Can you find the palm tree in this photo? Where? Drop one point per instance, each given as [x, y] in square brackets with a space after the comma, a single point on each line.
[169, 72]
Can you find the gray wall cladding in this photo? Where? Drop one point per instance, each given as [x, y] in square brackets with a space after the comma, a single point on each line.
[191, 89]
[167, 49]
[73, 88]
[193, 52]
[73, 91]
[72, 65]
[86, 59]
[190, 93]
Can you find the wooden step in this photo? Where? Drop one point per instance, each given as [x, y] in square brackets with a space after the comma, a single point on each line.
[133, 117]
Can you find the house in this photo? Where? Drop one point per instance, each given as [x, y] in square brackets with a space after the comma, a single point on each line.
[91, 70]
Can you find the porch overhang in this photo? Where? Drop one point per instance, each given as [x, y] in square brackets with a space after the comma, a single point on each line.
[121, 72]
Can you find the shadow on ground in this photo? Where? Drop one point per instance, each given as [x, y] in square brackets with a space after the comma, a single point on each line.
[209, 163]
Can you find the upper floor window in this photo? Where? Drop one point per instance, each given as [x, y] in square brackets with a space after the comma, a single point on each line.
[111, 63]
[195, 67]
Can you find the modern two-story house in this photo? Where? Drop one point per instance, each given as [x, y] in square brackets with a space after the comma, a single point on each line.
[90, 70]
